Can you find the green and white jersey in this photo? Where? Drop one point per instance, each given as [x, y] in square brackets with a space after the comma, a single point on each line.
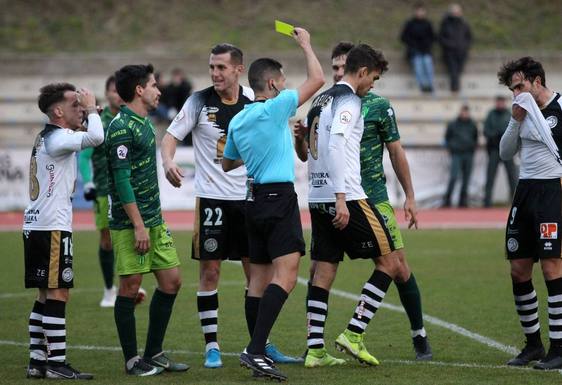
[380, 128]
[99, 158]
[131, 144]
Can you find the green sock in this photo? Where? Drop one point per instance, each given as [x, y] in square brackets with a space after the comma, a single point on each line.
[125, 320]
[160, 312]
[411, 300]
[107, 263]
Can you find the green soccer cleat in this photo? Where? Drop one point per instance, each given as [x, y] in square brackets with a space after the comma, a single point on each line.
[163, 361]
[352, 344]
[316, 358]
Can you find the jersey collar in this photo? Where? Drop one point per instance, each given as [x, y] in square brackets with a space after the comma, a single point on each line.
[132, 115]
[347, 84]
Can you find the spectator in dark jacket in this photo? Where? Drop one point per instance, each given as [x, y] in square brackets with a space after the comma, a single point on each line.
[455, 38]
[176, 92]
[461, 140]
[418, 36]
[494, 127]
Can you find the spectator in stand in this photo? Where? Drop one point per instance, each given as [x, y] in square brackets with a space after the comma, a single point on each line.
[160, 114]
[455, 38]
[494, 126]
[461, 139]
[418, 36]
[176, 92]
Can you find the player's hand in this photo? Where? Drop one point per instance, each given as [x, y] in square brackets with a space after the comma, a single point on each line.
[518, 113]
[86, 99]
[300, 131]
[302, 37]
[411, 213]
[89, 191]
[142, 242]
[341, 219]
[174, 173]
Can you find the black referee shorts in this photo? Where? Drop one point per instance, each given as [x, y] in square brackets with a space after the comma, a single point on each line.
[533, 227]
[274, 223]
[365, 236]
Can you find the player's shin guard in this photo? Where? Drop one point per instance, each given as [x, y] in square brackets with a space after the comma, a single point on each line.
[554, 288]
[54, 327]
[208, 308]
[411, 300]
[251, 307]
[527, 307]
[107, 262]
[270, 305]
[37, 343]
[124, 313]
[371, 298]
[159, 316]
[316, 314]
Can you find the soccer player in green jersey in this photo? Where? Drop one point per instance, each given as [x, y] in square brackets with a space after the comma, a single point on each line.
[141, 240]
[96, 189]
[380, 130]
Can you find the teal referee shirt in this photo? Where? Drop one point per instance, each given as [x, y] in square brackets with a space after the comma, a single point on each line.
[260, 135]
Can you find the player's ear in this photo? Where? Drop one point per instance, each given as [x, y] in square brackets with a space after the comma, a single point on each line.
[139, 90]
[363, 72]
[57, 111]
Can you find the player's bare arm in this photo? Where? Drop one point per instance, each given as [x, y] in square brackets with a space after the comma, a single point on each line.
[229, 164]
[402, 170]
[173, 172]
[315, 76]
[301, 144]
[142, 242]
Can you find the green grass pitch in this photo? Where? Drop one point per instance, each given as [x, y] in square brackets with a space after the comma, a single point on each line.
[463, 276]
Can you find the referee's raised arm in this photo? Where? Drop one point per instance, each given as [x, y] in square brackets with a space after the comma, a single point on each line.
[315, 76]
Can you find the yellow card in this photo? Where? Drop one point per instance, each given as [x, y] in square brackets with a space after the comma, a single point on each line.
[284, 28]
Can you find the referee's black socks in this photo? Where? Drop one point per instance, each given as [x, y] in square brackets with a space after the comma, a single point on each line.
[251, 307]
[272, 301]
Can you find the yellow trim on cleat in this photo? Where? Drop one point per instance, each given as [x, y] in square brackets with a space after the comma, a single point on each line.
[352, 344]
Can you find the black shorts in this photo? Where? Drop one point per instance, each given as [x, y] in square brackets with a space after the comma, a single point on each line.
[48, 259]
[365, 236]
[533, 226]
[220, 230]
[274, 222]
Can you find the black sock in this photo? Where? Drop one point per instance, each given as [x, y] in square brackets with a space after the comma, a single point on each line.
[208, 308]
[371, 298]
[270, 305]
[411, 301]
[124, 313]
[160, 313]
[54, 327]
[37, 343]
[107, 266]
[316, 314]
[527, 306]
[251, 306]
[554, 288]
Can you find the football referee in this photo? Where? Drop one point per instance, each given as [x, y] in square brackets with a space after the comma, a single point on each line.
[259, 136]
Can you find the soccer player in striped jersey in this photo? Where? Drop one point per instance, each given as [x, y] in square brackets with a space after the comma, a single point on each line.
[47, 228]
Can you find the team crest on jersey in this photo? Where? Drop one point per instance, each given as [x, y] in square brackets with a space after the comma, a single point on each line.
[512, 244]
[549, 230]
[552, 121]
[67, 274]
[345, 117]
[122, 151]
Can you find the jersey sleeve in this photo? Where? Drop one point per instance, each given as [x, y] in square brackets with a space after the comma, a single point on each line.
[388, 130]
[64, 141]
[118, 144]
[230, 150]
[347, 111]
[284, 105]
[188, 117]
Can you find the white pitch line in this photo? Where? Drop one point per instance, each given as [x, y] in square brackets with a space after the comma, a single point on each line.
[511, 350]
[232, 354]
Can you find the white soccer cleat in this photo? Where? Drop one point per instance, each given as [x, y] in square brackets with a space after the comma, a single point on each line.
[109, 296]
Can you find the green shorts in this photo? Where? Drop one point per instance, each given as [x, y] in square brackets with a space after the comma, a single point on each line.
[162, 254]
[387, 212]
[101, 212]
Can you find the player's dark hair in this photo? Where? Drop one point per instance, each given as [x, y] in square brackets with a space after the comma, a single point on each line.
[261, 70]
[362, 55]
[342, 48]
[236, 56]
[51, 94]
[110, 80]
[129, 77]
[529, 67]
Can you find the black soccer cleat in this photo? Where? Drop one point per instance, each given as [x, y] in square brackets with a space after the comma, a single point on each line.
[422, 348]
[261, 366]
[553, 360]
[66, 372]
[36, 370]
[528, 354]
